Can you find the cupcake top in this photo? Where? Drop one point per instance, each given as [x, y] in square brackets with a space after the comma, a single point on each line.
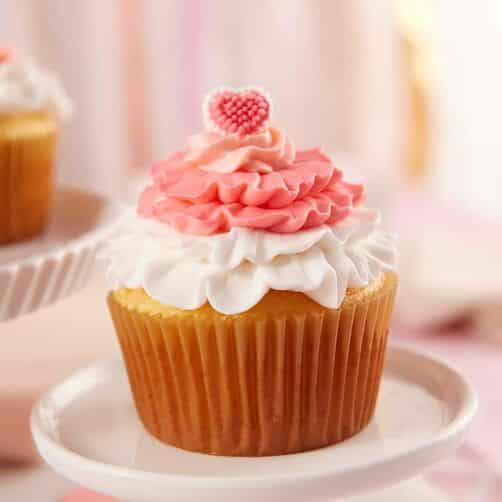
[26, 87]
[240, 211]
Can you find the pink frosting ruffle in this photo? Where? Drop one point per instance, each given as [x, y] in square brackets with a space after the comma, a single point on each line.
[283, 195]
[310, 174]
[328, 207]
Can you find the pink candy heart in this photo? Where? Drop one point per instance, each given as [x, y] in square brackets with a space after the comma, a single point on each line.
[242, 112]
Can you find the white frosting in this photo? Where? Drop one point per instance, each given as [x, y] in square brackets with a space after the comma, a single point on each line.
[26, 87]
[234, 270]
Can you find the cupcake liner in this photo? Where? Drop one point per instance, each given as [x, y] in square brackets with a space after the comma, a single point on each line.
[27, 150]
[256, 385]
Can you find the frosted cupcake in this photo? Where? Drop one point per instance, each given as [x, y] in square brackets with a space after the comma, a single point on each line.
[32, 105]
[252, 292]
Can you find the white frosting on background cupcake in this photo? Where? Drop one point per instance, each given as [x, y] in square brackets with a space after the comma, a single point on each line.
[24, 86]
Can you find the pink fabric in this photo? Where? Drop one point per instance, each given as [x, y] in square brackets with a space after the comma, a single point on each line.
[467, 476]
[299, 190]
[477, 467]
[478, 358]
[82, 495]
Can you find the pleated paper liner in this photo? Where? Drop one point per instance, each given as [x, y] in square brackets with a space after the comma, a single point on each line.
[257, 385]
[27, 151]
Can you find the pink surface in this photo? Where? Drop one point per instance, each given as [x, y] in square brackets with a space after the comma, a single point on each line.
[479, 359]
[82, 495]
[15, 436]
[41, 349]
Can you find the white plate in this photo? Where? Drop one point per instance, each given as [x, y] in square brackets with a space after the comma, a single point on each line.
[42, 485]
[38, 272]
[86, 428]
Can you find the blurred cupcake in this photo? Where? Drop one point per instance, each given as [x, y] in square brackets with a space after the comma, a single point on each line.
[32, 106]
[252, 292]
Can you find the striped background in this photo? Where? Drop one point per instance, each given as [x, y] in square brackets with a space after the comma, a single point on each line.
[138, 70]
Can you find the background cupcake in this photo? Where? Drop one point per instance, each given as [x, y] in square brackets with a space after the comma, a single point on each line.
[32, 106]
[252, 292]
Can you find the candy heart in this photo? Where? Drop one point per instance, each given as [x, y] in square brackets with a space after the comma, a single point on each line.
[242, 112]
[6, 53]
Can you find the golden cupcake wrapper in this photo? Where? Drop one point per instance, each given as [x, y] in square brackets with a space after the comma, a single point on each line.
[27, 150]
[249, 387]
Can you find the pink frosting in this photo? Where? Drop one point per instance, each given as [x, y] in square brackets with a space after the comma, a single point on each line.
[256, 181]
[263, 152]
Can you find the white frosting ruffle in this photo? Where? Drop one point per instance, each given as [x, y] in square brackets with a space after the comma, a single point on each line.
[26, 87]
[233, 271]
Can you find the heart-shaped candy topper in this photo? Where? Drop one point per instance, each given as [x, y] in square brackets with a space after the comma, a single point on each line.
[242, 112]
[6, 54]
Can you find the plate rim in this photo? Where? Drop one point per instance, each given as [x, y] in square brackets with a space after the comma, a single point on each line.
[452, 432]
[77, 244]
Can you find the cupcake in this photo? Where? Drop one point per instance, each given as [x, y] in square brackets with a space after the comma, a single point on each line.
[252, 291]
[32, 105]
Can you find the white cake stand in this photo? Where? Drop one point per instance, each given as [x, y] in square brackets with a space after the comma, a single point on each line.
[86, 429]
[40, 271]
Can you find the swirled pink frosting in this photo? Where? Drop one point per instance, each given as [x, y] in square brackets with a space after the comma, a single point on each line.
[258, 181]
[263, 152]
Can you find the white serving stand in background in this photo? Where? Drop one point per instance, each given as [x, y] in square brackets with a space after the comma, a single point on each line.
[48, 268]
[87, 430]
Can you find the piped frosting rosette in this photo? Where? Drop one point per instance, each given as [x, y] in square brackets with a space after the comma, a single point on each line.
[240, 211]
[259, 181]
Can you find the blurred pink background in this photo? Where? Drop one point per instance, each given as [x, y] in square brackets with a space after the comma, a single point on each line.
[138, 71]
